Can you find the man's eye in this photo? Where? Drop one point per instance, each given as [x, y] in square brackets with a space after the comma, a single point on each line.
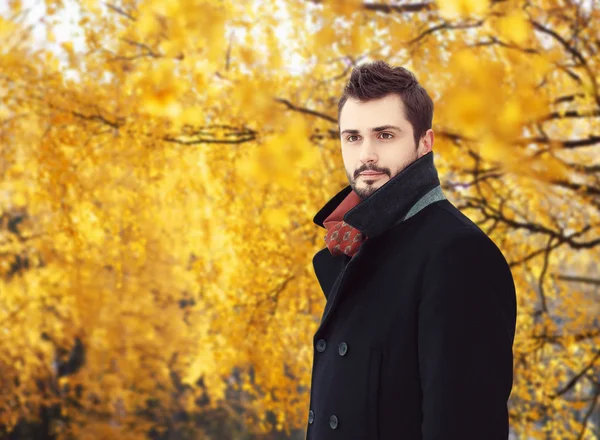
[349, 138]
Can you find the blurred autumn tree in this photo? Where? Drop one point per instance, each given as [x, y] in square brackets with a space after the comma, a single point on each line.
[158, 188]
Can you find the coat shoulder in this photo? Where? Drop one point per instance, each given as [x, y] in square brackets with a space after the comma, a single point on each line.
[452, 218]
[458, 237]
[446, 223]
[447, 232]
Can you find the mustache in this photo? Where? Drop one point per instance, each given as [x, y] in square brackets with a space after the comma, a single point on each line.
[375, 170]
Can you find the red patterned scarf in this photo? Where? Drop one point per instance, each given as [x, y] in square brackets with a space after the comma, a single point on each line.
[341, 238]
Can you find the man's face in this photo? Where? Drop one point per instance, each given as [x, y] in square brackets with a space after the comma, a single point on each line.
[376, 137]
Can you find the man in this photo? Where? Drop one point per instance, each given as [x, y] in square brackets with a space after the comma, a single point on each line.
[416, 337]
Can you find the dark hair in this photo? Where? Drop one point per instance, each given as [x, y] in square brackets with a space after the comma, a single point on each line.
[378, 79]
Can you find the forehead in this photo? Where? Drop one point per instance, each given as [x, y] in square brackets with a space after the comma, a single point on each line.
[364, 115]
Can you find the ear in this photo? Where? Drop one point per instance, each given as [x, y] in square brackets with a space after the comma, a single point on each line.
[426, 143]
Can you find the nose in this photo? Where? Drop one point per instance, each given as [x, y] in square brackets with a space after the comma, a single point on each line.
[367, 151]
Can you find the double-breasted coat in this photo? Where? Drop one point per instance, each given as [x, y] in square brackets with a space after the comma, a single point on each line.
[415, 341]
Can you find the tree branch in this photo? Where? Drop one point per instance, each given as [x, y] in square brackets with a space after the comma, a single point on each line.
[568, 144]
[578, 279]
[120, 11]
[578, 376]
[307, 111]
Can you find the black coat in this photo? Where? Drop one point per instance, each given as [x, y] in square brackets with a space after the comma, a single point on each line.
[416, 337]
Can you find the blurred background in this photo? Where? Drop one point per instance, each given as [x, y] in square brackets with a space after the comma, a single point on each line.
[161, 164]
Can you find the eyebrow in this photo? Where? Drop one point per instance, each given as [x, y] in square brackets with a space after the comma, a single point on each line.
[373, 130]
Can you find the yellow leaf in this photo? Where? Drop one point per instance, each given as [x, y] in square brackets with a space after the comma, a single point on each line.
[450, 9]
[510, 119]
[161, 90]
[359, 40]
[344, 7]
[326, 36]
[514, 27]
[276, 217]
[400, 33]
[68, 47]
[16, 6]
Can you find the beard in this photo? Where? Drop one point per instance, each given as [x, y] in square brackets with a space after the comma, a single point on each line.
[369, 186]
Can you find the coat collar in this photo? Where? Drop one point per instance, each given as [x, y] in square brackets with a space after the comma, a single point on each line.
[415, 187]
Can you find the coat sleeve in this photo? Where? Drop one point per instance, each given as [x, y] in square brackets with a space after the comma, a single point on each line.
[467, 318]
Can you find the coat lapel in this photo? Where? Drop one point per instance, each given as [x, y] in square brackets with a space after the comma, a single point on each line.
[341, 279]
[328, 268]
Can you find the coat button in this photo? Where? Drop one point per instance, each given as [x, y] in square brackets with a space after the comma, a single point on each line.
[333, 422]
[343, 348]
[321, 344]
[311, 416]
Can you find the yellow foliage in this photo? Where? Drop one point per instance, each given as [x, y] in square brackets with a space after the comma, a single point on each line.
[156, 204]
[160, 92]
[343, 7]
[514, 27]
[450, 9]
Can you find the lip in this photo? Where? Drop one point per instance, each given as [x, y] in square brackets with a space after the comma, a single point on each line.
[371, 174]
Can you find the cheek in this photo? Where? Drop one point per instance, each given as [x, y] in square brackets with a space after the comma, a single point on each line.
[350, 160]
